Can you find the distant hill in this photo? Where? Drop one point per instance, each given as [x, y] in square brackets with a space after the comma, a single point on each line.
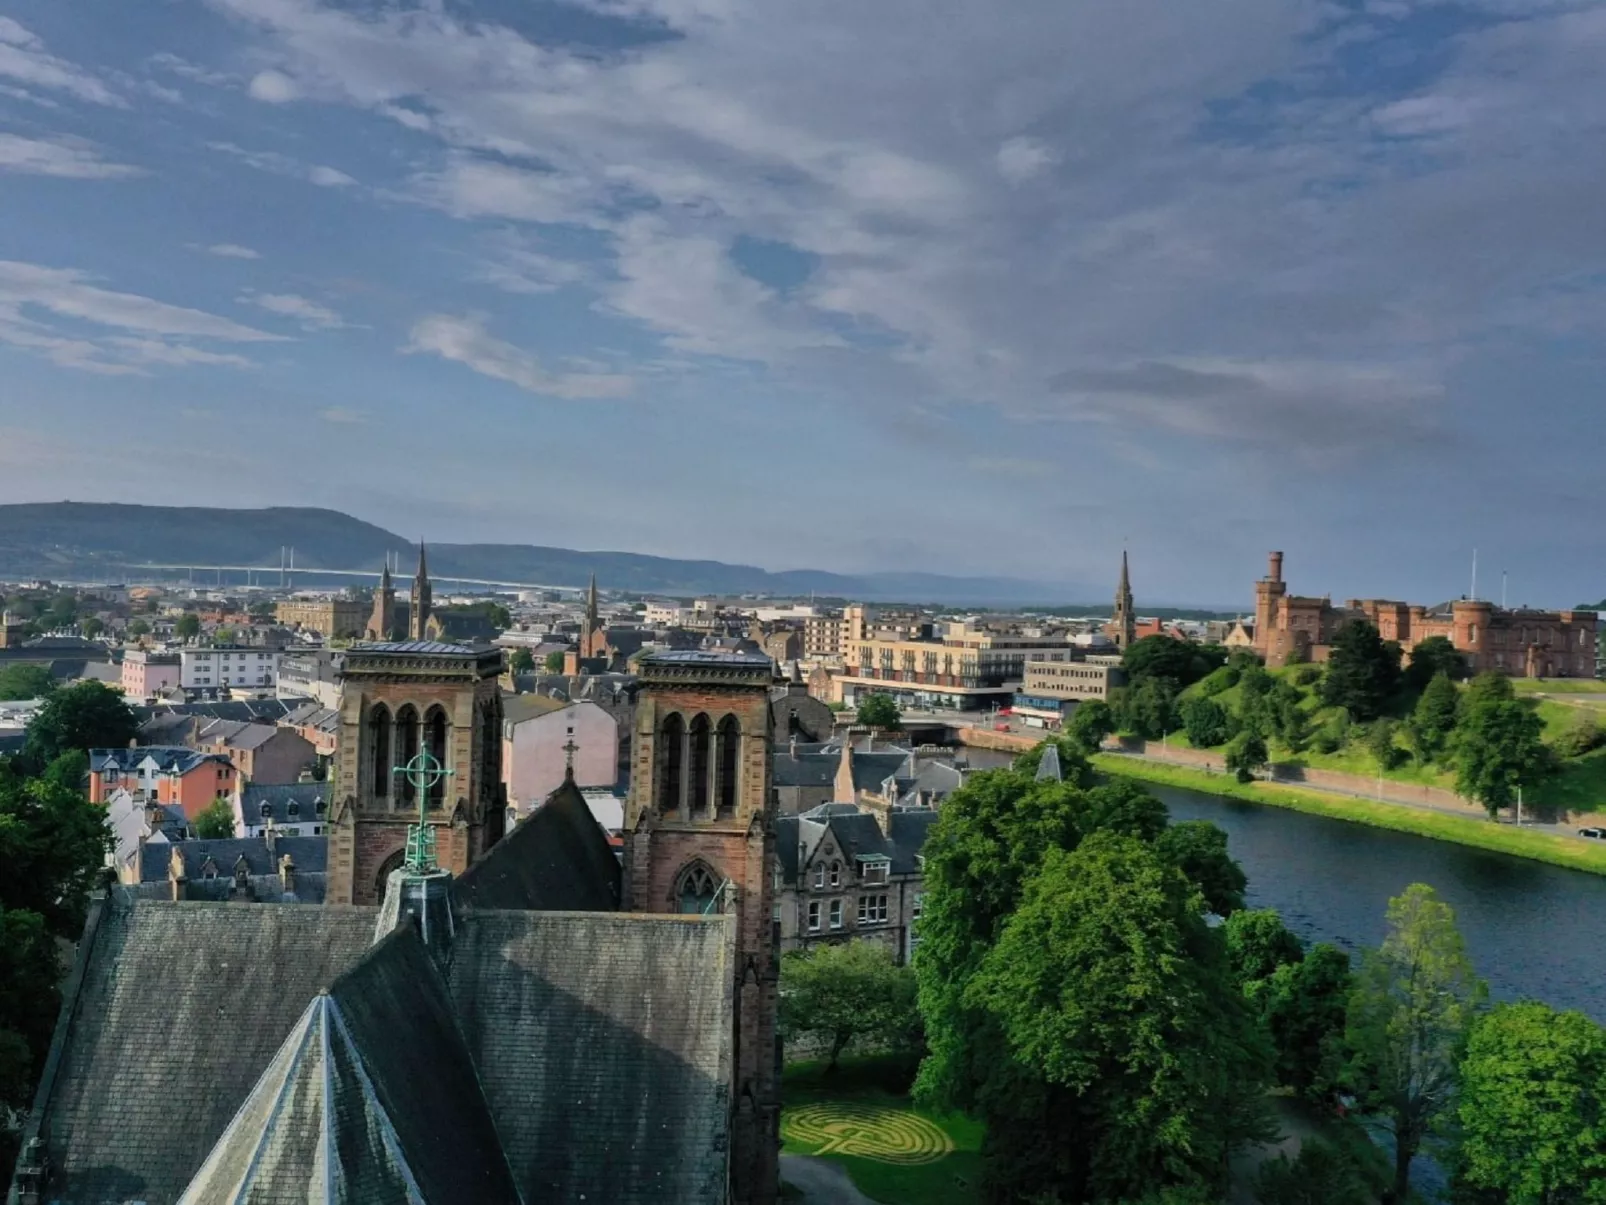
[109, 541]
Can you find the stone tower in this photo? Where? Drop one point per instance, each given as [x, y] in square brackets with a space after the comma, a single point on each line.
[381, 624]
[1269, 592]
[700, 836]
[592, 643]
[395, 700]
[418, 615]
[11, 630]
[1124, 623]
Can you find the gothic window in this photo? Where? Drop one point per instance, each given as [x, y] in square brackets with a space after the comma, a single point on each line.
[730, 740]
[379, 748]
[406, 750]
[671, 754]
[435, 736]
[697, 889]
[389, 864]
[698, 749]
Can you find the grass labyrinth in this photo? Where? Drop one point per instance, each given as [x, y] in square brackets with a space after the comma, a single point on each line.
[862, 1118]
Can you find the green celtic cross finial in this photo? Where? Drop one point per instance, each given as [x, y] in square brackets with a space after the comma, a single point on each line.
[423, 771]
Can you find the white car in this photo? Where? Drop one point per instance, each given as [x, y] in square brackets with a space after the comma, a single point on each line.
[1594, 834]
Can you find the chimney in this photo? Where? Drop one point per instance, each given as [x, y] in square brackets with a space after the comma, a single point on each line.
[287, 874]
[792, 746]
[269, 836]
[845, 791]
[1275, 569]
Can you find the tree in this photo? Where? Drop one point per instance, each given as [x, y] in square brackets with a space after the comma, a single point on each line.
[1258, 943]
[1319, 1175]
[1303, 1004]
[70, 770]
[1108, 982]
[1532, 1107]
[223, 635]
[522, 661]
[214, 821]
[1434, 717]
[1380, 744]
[1430, 658]
[1206, 722]
[1413, 1003]
[1363, 671]
[262, 608]
[842, 994]
[880, 711]
[26, 682]
[553, 662]
[1182, 661]
[91, 627]
[1090, 723]
[1583, 735]
[188, 626]
[30, 975]
[1148, 708]
[1199, 850]
[85, 715]
[139, 628]
[1285, 710]
[1245, 755]
[53, 844]
[1498, 745]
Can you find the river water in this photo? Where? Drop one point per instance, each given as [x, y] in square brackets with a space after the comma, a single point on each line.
[1533, 931]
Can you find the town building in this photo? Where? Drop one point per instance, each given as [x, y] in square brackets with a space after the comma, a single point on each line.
[261, 752]
[228, 667]
[311, 673]
[508, 1027]
[1051, 689]
[335, 618]
[272, 867]
[546, 739]
[292, 809]
[183, 778]
[822, 635]
[1291, 628]
[146, 674]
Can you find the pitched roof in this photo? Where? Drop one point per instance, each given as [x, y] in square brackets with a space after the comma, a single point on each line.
[180, 1010]
[309, 855]
[279, 796]
[604, 1047]
[556, 858]
[857, 833]
[817, 767]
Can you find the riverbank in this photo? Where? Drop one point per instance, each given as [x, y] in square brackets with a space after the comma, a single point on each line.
[1569, 852]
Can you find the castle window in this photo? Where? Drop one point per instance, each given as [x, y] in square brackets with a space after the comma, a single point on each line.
[379, 745]
[671, 755]
[697, 890]
[698, 750]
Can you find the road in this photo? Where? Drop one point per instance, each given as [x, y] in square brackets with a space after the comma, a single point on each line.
[820, 1181]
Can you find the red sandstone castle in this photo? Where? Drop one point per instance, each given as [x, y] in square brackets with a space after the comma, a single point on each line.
[1526, 644]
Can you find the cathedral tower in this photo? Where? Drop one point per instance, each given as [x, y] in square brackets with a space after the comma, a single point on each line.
[700, 837]
[418, 615]
[1124, 624]
[396, 701]
[381, 624]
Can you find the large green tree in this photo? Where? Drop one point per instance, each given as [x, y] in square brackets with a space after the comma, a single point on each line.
[1090, 723]
[1109, 984]
[1182, 661]
[1246, 755]
[1412, 1005]
[1431, 657]
[215, 820]
[1199, 849]
[1498, 745]
[1304, 1005]
[837, 995]
[1148, 708]
[521, 661]
[1258, 943]
[26, 682]
[1532, 1108]
[1206, 722]
[1363, 671]
[85, 715]
[1434, 718]
[188, 626]
[880, 711]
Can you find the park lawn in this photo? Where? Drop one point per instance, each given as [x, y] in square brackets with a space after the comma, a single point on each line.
[1558, 686]
[1570, 852]
[954, 1179]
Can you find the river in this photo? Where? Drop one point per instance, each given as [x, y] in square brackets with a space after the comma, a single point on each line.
[1533, 930]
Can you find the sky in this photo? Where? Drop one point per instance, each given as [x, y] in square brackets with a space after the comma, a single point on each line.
[991, 289]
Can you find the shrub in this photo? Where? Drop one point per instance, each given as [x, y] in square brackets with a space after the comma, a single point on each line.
[1321, 1175]
[1584, 736]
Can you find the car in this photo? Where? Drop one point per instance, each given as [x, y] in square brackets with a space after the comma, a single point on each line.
[1594, 834]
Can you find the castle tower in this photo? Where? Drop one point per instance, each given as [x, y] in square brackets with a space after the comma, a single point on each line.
[381, 624]
[1125, 621]
[395, 702]
[418, 615]
[1269, 592]
[11, 630]
[700, 837]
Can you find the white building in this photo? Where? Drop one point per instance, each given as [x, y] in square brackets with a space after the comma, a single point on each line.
[664, 615]
[228, 667]
[535, 736]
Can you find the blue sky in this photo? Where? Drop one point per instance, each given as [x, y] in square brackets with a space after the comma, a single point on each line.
[914, 285]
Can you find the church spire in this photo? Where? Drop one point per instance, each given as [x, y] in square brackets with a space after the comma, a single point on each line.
[1124, 621]
[418, 614]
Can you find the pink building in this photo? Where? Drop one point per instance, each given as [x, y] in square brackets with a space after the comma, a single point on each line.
[147, 674]
[535, 732]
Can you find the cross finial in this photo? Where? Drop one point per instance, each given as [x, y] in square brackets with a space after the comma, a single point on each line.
[423, 771]
[569, 751]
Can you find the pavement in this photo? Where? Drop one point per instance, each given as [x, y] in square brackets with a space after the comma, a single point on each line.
[821, 1181]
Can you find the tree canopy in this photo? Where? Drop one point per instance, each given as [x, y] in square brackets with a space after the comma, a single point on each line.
[85, 715]
[1363, 671]
[1206, 722]
[215, 820]
[841, 994]
[188, 626]
[553, 662]
[1498, 744]
[1090, 723]
[1431, 657]
[1182, 661]
[1434, 718]
[880, 711]
[521, 661]
[26, 682]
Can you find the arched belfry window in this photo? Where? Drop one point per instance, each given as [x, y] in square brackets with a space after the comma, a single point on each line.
[697, 889]
[406, 750]
[379, 750]
[698, 739]
[435, 728]
[671, 761]
[728, 745]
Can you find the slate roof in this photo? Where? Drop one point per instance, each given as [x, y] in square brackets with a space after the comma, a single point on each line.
[604, 1047]
[279, 796]
[237, 734]
[181, 1008]
[857, 834]
[169, 758]
[433, 648]
[310, 855]
[556, 858]
[818, 769]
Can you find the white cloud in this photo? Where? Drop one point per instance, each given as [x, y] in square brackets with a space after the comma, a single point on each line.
[309, 314]
[275, 87]
[69, 158]
[328, 177]
[191, 71]
[284, 165]
[23, 58]
[1021, 158]
[232, 251]
[466, 341]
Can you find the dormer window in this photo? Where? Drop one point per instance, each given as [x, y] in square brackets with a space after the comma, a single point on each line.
[292, 810]
[267, 811]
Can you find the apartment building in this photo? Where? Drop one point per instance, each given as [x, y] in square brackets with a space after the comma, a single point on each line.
[147, 674]
[228, 667]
